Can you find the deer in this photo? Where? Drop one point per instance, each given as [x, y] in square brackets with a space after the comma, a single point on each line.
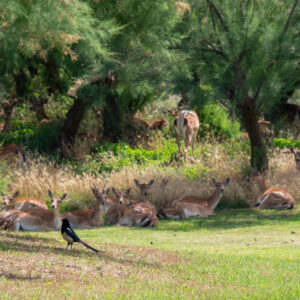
[11, 153]
[158, 124]
[35, 220]
[22, 203]
[193, 206]
[271, 198]
[142, 213]
[186, 127]
[297, 158]
[89, 217]
[112, 208]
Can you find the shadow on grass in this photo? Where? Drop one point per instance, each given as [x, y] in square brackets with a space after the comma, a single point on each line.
[21, 242]
[12, 276]
[230, 219]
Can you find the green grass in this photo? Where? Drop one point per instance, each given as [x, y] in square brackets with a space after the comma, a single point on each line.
[237, 254]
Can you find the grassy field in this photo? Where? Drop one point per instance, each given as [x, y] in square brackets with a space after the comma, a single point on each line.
[237, 254]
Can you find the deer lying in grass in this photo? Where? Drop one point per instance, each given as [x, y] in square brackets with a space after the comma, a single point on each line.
[12, 153]
[193, 206]
[113, 210]
[22, 203]
[273, 198]
[186, 127]
[89, 217]
[35, 220]
[142, 213]
[297, 158]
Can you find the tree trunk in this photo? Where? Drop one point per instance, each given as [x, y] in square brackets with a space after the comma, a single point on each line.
[112, 119]
[259, 157]
[37, 105]
[72, 122]
[7, 119]
[8, 108]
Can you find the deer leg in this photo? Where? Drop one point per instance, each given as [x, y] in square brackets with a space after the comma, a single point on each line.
[178, 142]
[187, 142]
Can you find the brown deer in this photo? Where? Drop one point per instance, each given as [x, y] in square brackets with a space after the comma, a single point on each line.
[297, 158]
[158, 124]
[12, 153]
[186, 127]
[113, 209]
[142, 213]
[35, 220]
[273, 198]
[22, 203]
[89, 217]
[193, 206]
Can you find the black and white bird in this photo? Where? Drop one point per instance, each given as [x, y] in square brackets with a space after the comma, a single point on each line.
[71, 237]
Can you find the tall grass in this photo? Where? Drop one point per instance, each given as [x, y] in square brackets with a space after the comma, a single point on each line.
[210, 161]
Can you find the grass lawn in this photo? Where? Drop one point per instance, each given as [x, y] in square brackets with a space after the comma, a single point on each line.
[237, 254]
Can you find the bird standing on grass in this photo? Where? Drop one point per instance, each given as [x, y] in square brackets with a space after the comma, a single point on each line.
[71, 237]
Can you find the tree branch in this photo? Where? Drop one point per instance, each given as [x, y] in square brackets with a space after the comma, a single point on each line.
[273, 61]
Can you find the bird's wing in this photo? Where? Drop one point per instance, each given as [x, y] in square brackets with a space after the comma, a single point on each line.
[70, 232]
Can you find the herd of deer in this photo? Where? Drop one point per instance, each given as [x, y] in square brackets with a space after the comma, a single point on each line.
[29, 214]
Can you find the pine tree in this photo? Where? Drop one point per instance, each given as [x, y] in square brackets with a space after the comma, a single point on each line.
[247, 52]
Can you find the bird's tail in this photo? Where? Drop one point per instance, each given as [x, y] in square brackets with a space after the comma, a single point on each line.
[88, 246]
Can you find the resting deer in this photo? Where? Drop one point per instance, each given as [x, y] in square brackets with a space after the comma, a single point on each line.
[22, 203]
[35, 220]
[186, 127]
[276, 198]
[142, 213]
[12, 153]
[89, 217]
[297, 158]
[113, 209]
[193, 206]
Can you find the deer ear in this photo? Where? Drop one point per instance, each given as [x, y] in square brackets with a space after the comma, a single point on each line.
[63, 197]
[50, 194]
[137, 182]
[114, 191]
[128, 192]
[15, 194]
[227, 181]
[214, 181]
[151, 182]
[292, 150]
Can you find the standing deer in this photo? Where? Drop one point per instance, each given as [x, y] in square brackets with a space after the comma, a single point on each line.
[297, 158]
[193, 206]
[35, 220]
[186, 127]
[274, 198]
[22, 203]
[89, 217]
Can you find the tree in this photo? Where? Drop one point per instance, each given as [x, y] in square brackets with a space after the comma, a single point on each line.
[246, 52]
[141, 62]
[51, 43]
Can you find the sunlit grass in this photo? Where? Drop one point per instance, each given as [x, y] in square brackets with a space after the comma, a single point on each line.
[237, 254]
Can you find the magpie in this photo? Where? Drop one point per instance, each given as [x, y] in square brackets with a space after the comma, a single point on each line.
[71, 237]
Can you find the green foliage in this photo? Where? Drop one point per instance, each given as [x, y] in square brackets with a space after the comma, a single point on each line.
[32, 137]
[285, 143]
[113, 157]
[215, 120]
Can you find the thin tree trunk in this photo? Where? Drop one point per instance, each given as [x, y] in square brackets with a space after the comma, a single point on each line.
[7, 120]
[112, 119]
[37, 105]
[259, 157]
[72, 122]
